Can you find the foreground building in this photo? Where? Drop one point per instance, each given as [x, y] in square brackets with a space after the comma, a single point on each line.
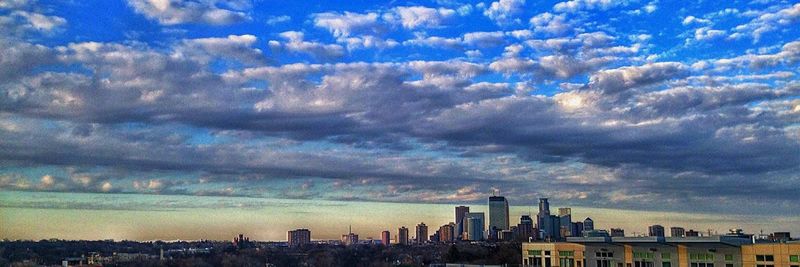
[715, 251]
[299, 237]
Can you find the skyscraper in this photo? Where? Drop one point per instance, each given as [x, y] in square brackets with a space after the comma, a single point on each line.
[498, 213]
[565, 222]
[402, 236]
[677, 231]
[299, 237]
[617, 232]
[577, 229]
[588, 224]
[656, 230]
[474, 226]
[525, 228]
[543, 220]
[386, 238]
[447, 233]
[350, 238]
[422, 233]
[460, 211]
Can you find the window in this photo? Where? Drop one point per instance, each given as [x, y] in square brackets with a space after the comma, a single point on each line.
[729, 265]
[769, 258]
[566, 262]
[665, 256]
[534, 252]
[759, 257]
[566, 253]
[794, 258]
[666, 264]
[642, 255]
[728, 257]
[546, 252]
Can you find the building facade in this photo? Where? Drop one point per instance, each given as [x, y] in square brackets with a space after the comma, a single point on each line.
[402, 236]
[422, 233]
[655, 230]
[498, 213]
[460, 212]
[716, 251]
[386, 238]
[474, 226]
[299, 237]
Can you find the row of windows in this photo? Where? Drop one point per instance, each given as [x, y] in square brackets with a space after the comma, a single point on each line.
[697, 258]
[701, 257]
[642, 255]
[605, 254]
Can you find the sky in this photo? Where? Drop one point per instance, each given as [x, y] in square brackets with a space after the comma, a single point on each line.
[174, 119]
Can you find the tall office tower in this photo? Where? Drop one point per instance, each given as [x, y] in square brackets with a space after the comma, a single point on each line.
[474, 225]
[655, 230]
[677, 231]
[498, 213]
[564, 212]
[543, 221]
[460, 211]
[386, 238]
[617, 232]
[299, 237]
[577, 228]
[447, 233]
[588, 224]
[402, 236]
[422, 233]
[555, 228]
[350, 238]
[565, 222]
[525, 228]
[692, 233]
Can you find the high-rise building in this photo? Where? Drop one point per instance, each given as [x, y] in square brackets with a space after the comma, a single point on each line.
[498, 213]
[447, 233]
[525, 228]
[386, 238]
[617, 232]
[677, 232]
[692, 233]
[402, 236]
[655, 230]
[460, 211]
[422, 233]
[565, 222]
[577, 229]
[543, 220]
[588, 224]
[241, 241]
[474, 225]
[350, 238]
[299, 237]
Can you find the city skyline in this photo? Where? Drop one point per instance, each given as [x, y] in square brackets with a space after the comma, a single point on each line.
[184, 220]
[172, 119]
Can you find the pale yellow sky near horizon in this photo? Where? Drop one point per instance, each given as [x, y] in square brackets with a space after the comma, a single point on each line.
[38, 215]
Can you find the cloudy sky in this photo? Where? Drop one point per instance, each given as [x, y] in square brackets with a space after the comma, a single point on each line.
[665, 107]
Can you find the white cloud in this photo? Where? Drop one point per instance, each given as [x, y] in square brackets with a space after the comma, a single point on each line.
[504, 11]
[296, 44]
[768, 22]
[412, 17]
[579, 5]
[347, 23]
[274, 20]
[550, 23]
[617, 80]
[172, 12]
[692, 19]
